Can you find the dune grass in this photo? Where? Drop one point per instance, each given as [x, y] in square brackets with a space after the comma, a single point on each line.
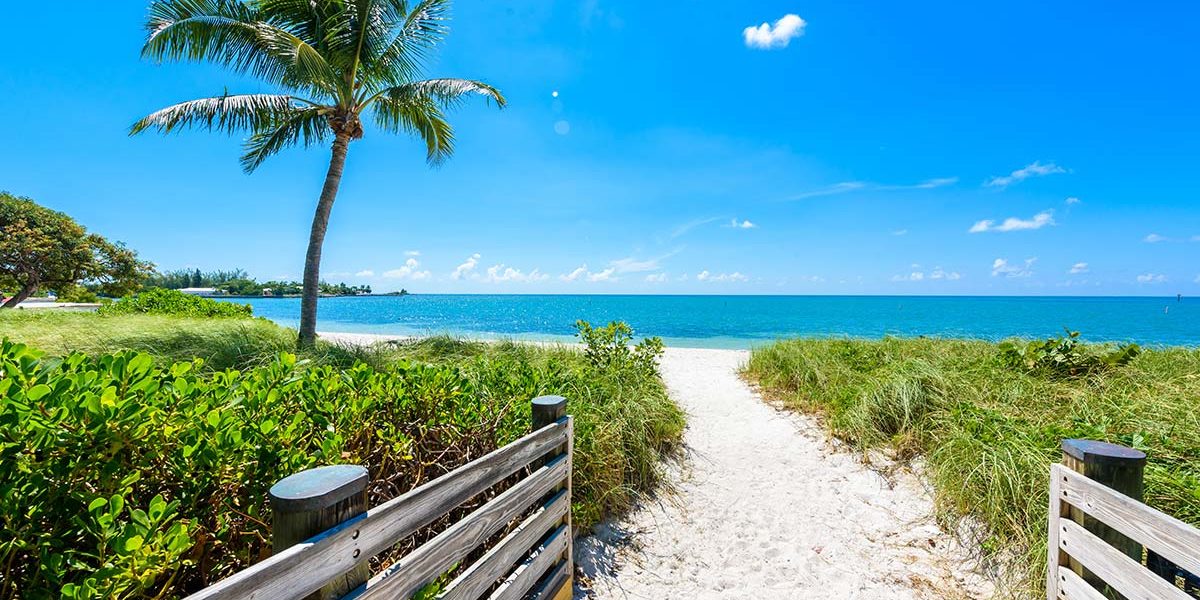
[988, 433]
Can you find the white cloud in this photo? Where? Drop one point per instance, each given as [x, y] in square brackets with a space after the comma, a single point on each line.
[1072, 200]
[656, 278]
[938, 182]
[1151, 278]
[412, 252]
[365, 273]
[900, 232]
[938, 274]
[1079, 267]
[837, 188]
[866, 186]
[1034, 169]
[721, 277]
[1001, 266]
[744, 224]
[576, 274]
[1195, 238]
[605, 275]
[634, 265]
[466, 269]
[501, 274]
[779, 35]
[410, 270]
[1038, 221]
[690, 225]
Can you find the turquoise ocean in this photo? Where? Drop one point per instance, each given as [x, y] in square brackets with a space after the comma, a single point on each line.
[746, 321]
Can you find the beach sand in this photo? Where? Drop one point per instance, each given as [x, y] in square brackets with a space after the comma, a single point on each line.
[765, 505]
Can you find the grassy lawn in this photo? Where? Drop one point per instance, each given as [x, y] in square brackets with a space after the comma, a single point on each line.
[988, 432]
[194, 446]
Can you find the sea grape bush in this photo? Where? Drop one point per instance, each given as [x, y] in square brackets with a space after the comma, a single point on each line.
[610, 347]
[1064, 356]
[125, 479]
[159, 301]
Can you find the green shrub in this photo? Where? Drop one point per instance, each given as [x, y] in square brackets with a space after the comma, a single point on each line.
[158, 301]
[129, 478]
[1065, 356]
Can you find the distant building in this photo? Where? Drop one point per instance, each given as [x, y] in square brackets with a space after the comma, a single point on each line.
[197, 291]
[268, 292]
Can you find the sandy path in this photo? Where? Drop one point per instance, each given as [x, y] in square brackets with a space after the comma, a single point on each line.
[766, 507]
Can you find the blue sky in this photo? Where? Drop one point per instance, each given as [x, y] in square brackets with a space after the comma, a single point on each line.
[849, 148]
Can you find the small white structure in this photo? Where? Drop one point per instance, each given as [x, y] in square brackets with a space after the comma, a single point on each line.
[201, 291]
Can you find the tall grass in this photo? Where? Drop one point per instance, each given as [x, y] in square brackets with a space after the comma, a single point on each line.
[988, 433]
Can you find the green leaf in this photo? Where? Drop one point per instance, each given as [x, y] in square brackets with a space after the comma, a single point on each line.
[133, 544]
[36, 392]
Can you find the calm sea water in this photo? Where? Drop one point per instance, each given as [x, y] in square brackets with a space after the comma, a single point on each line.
[744, 321]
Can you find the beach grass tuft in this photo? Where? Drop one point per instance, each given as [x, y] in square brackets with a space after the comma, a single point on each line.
[987, 432]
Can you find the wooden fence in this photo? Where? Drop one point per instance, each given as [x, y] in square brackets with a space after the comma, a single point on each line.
[324, 534]
[1104, 543]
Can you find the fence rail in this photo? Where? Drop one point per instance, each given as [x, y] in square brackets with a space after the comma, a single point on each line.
[324, 534]
[1103, 541]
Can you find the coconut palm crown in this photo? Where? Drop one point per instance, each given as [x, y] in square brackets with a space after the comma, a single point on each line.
[336, 64]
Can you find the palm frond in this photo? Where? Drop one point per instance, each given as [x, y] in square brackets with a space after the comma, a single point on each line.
[225, 113]
[233, 34]
[306, 126]
[420, 116]
[447, 92]
[402, 57]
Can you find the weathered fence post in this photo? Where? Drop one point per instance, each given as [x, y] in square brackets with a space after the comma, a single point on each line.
[313, 501]
[1113, 466]
[547, 410]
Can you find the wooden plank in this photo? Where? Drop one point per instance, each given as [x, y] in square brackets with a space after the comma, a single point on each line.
[1171, 538]
[530, 571]
[499, 560]
[1073, 587]
[436, 556]
[305, 567]
[1120, 572]
[554, 584]
[1054, 556]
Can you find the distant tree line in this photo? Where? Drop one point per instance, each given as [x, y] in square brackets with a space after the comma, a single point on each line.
[239, 283]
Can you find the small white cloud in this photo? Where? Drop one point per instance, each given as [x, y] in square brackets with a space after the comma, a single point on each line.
[1034, 169]
[605, 275]
[1151, 278]
[930, 184]
[576, 274]
[1038, 221]
[744, 224]
[1001, 266]
[1078, 268]
[900, 232]
[467, 269]
[779, 35]
[656, 278]
[938, 274]
[1072, 201]
[365, 273]
[1195, 238]
[634, 265]
[410, 270]
[412, 252]
[721, 277]
[501, 274]
[1154, 238]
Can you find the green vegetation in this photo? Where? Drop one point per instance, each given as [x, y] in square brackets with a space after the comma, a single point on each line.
[44, 249]
[988, 427]
[158, 301]
[136, 476]
[239, 283]
[338, 64]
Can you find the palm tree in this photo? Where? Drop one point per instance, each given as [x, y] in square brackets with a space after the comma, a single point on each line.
[338, 62]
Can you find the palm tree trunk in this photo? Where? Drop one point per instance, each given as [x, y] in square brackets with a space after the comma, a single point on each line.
[23, 295]
[312, 261]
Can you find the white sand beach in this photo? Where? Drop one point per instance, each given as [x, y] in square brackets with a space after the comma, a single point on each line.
[767, 506]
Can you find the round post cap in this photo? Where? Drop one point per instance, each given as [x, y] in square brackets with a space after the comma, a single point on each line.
[318, 488]
[1095, 451]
